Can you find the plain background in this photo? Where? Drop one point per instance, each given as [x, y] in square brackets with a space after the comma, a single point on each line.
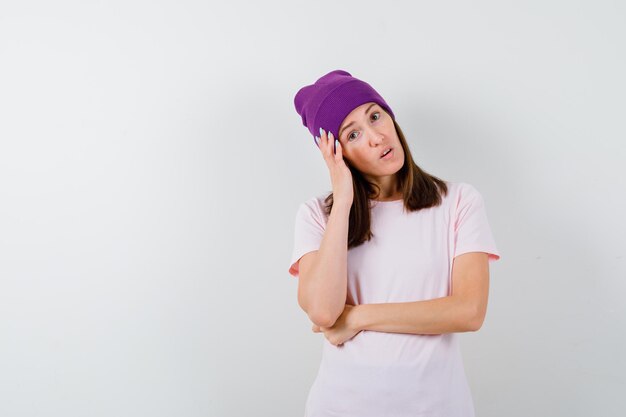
[152, 162]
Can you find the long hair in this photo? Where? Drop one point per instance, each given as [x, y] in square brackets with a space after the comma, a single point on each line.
[419, 188]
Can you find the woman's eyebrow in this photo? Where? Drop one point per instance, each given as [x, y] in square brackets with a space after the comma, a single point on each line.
[349, 124]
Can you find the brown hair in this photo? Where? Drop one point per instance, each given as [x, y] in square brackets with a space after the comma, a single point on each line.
[419, 188]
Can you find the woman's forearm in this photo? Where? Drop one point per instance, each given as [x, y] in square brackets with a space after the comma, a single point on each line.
[327, 290]
[436, 316]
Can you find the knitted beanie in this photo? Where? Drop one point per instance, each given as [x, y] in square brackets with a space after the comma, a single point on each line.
[326, 103]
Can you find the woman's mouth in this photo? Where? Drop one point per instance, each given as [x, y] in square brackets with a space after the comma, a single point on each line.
[388, 155]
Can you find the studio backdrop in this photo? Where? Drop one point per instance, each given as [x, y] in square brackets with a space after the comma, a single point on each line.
[152, 163]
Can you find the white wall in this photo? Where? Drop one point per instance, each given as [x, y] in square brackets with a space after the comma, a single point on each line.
[151, 162]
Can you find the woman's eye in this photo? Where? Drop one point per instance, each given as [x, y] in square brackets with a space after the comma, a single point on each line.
[350, 135]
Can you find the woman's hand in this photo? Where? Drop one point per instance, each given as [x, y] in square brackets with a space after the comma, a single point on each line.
[344, 328]
[340, 175]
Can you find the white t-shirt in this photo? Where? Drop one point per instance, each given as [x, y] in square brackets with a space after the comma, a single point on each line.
[410, 257]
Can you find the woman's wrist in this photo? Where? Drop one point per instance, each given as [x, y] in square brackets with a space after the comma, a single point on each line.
[342, 205]
[354, 319]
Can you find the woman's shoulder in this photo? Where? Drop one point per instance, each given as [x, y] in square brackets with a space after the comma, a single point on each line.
[316, 204]
[318, 200]
[456, 187]
[460, 191]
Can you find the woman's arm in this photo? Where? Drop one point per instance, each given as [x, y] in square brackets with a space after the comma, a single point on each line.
[322, 287]
[463, 311]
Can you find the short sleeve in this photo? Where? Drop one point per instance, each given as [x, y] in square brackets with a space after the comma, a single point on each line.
[310, 225]
[472, 232]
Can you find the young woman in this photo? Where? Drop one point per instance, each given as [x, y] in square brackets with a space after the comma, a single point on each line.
[391, 264]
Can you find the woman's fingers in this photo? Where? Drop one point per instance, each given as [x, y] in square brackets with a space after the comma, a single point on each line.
[327, 140]
[318, 329]
[321, 141]
[339, 153]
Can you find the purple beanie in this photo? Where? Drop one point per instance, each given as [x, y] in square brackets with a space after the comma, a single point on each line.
[326, 103]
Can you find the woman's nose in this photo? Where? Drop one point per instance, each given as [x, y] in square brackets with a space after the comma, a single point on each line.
[375, 137]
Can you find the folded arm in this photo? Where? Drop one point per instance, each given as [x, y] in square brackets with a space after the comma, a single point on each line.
[463, 311]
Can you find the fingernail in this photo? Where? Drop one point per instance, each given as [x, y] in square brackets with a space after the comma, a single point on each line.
[330, 135]
[321, 131]
[317, 140]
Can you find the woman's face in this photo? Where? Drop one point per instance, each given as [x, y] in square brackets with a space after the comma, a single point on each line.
[365, 134]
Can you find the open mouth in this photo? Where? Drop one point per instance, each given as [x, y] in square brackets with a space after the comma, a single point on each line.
[388, 153]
